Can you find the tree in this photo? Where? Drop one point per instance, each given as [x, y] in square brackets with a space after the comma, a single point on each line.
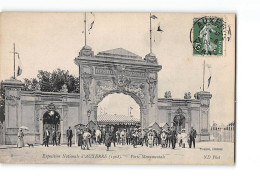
[30, 84]
[53, 82]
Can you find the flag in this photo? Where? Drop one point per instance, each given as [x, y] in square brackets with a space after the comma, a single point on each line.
[19, 69]
[209, 81]
[209, 66]
[153, 17]
[92, 23]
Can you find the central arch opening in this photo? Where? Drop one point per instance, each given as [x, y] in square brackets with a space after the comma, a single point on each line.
[51, 121]
[179, 122]
[119, 110]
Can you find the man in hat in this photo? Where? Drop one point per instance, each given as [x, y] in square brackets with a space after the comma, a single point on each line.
[123, 136]
[46, 136]
[168, 140]
[54, 137]
[79, 136]
[128, 136]
[150, 138]
[173, 135]
[135, 136]
[140, 137]
[155, 140]
[113, 137]
[58, 137]
[192, 136]
[69, 136]
[118, 137]
[146, 137]
[108, 137]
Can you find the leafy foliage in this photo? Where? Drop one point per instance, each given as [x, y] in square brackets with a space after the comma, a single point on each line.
[30, 84]
[53, 82]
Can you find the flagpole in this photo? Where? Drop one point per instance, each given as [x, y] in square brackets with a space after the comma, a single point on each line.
[203, 73]
[85, 21]
[14, 60]
[150, 33]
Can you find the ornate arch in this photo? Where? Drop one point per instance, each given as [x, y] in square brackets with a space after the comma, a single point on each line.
[135, 90]
[132, 95]
[180, 117]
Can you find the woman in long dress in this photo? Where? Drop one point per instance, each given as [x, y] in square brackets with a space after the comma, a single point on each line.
[20, 142]
[80, 138]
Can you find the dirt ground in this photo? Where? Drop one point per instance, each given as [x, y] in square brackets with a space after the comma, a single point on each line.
[205, 153]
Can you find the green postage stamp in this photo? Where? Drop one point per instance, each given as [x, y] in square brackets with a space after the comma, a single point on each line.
[208, 36]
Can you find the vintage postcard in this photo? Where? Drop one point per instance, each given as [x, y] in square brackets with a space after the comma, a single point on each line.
[117, 88]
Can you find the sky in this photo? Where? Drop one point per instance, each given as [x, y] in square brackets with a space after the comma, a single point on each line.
[46, 41]
[122, 105]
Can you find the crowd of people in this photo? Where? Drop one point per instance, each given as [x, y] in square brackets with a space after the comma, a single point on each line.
[135, 136]
[55, 136]
[166, 138]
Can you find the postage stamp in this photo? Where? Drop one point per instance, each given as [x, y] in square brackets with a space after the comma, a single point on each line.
[208, 36]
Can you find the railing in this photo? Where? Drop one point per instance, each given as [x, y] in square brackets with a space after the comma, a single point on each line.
[226, 134]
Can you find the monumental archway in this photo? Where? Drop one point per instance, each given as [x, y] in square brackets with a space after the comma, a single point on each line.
[118, 71]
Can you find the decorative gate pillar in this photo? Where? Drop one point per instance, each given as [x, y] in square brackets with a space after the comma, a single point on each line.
[117, 71]
[203, 130]
[13, 108]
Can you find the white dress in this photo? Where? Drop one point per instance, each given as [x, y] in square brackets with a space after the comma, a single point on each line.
[20, 142]
[184, 138]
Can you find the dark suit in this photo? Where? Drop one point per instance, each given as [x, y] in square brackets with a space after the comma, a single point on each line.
[54, 136]
[58, 137]
[172, 136]
[69, 136]
[168, 139]
[193, 134]
[46, 136]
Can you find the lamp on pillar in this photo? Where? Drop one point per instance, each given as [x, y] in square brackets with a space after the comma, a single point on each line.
[89, 113]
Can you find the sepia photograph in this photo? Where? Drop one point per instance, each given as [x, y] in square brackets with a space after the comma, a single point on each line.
[117, 88]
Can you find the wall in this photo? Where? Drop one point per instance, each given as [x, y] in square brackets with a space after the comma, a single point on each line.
[26, 108]
[190, 108]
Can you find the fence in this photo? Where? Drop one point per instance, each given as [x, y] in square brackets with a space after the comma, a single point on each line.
[223, 134]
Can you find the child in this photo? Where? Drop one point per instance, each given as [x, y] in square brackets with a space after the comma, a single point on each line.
[163, 138]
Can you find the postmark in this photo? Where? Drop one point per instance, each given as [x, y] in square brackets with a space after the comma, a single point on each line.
[208, 36]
